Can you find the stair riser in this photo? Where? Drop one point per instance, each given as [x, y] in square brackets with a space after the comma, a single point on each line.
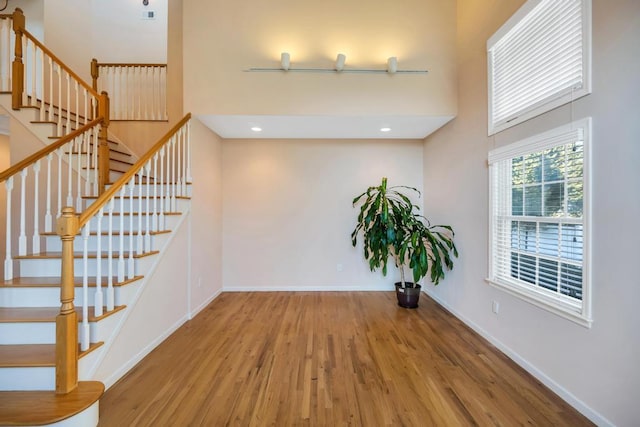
[128, 223]
[41, 297]
[28, 333]
[43, 378]
[45, 332]
[52, 267]
[163, 205]
[53, 243]
[184, 191]
[27, 378]
[113, 155]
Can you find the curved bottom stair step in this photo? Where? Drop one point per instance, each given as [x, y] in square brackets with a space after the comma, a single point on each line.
[23, 408]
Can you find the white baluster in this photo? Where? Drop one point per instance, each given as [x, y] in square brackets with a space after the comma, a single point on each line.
[161, 225]
[76, 106]
[48, 224]
[154, 105]
[140, 240]
[8, 261]
[174, 180]
[41, 84]
[85, 97]
[189, 177]
[33, 66]
[36, 209]
[78, 145]
[137, 75]
[96, 143]
[68, 125]
[84, 336]
[121, 270]
[130, 267]
[163, 91]
[168, 180]
[154, 216]
[70, 174]
[86, 142]
[52, 70]
[179, 164]
[123, 89]
[98, 297]
[146, 92]
[59, 121]
[60, 153]
[147, 214]
[22, 239]
[110, 291]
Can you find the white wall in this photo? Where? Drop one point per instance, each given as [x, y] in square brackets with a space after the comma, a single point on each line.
[287, 214]
[68, 33]
[206, 218]
[34, 13]
[190, 274]
[134, 39]
[222, 38]
[594, 369]
[110, 30]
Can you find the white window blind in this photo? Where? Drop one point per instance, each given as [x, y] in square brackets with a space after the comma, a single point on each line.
[539, 233]
[538, 60]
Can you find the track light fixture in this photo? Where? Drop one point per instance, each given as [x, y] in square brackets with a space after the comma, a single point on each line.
[392, 65]
[341, 59]
[285, 61]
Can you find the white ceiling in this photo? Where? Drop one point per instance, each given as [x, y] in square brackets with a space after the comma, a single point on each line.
[324, 127]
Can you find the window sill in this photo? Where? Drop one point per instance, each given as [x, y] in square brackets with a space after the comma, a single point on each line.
[539, 300]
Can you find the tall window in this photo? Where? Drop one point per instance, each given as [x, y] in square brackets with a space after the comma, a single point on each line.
[538, 60]
[539, 228]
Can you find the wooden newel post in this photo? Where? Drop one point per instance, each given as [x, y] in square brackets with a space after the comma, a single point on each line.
[67, 320]
[17, 78]
[103, 149]
[95, 73]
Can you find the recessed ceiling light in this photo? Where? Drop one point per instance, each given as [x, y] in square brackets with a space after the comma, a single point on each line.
[256, 129]
[385, 129]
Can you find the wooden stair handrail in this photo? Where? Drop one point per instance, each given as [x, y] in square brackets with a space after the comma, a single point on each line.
[128, 64]
[106, 196]
[60, 63]
[6, 174]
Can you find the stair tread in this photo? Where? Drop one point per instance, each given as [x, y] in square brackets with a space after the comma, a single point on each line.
[111, 150]
[47, 407]
[79, 255]
[54, 282]
[47, 314]
[115, 233]
[34, 355]
[135, 197]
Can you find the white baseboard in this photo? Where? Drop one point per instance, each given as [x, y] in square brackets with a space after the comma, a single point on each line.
[124, 368]
[329, 288]
[564, 394]
[201, 307]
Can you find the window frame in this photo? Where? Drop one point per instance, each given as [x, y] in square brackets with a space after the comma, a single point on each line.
[553, 101]
[578, 311]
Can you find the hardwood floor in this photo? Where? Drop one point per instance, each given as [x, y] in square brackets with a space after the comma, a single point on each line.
[328, 359]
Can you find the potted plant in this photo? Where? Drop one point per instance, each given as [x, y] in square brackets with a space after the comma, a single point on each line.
[391, 226]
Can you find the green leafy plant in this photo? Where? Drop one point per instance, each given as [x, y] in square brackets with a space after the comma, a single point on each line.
[391, 226]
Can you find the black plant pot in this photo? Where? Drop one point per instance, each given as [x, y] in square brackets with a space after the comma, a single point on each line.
[409, 296]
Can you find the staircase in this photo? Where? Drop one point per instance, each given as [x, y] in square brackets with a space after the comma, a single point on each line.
[112, 227]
